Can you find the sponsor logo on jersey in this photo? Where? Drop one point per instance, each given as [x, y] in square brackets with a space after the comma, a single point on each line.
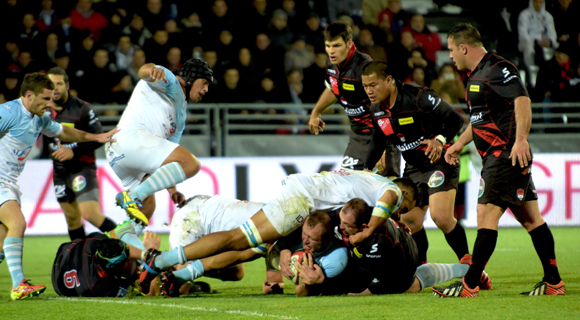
[354, 111]
[434, 102]
[505, 72]
[343, 101]
[356, 253]
[22, 154]
[59, 190]
[481, 187]
[385, 125]
[114, 160]
[68, 124]
[401, 137]
[7, 107]
[349, 163]
[506, 75]
[475, 118]
[376, 114]
[349, 87]
[436, 179]
[334, 85]
[474, 88]
[404, 121]
[79, 183]
[375, 248]
[331, 71]
[410, 146]
[520, 194]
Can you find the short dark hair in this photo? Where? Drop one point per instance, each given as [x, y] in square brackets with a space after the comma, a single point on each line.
[338, 29]
[465, 33]
[321, 218]
[408, 183]
[378, 67]
[36, 82]
[59, 72]
[360, 210]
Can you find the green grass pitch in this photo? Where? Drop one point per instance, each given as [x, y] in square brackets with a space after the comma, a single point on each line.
[513, 268]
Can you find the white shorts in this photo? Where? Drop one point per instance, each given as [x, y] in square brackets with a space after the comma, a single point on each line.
[203, 215]
[9, 192]
[288, 210]
[136, 153]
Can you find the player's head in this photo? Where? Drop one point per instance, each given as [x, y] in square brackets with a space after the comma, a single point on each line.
[354, 216]
[316, 231]
[461, 40]
[410, 194]
[112, 257]
[378, 82]
[338, 41]
[61, 85]
[36, 92]
[197, 75]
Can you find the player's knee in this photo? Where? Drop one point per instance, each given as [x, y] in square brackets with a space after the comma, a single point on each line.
[18, 225]
[191, 166]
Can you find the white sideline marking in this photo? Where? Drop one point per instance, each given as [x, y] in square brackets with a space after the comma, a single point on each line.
[172, 305]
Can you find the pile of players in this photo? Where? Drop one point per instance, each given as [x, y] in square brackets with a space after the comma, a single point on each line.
[360, 208]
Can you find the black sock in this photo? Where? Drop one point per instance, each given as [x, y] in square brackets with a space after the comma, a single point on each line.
[544, 244]
[422, 242]
[457, 240]
[107, 225]
[77, 233]
[482, 251]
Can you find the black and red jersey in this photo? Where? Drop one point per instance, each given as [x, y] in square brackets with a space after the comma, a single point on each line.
[491, 90]
[387, 260]
[345, 81]
[417, 115]
[77, 114]
[74, 272]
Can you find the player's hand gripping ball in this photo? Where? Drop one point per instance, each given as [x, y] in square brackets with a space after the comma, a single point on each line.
[297, 257]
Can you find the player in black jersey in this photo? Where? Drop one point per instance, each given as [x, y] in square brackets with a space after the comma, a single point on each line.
[75, 171]
[422, 126]
[499, 126]
[387, 261]
[97, 266]
[343, 84]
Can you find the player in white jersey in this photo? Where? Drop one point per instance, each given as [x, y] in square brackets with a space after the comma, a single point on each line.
[147, 156]
[21, 122]
[301, 195]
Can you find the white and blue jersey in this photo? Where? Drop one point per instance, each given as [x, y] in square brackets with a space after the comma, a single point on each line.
[158, 107]
[19, 130]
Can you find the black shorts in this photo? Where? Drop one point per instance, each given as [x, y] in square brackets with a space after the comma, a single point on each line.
[356, 153]
[81, 185]
[433, 178]
[505, 185]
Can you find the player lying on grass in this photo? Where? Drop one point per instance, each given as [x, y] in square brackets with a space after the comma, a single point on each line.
[301, 195]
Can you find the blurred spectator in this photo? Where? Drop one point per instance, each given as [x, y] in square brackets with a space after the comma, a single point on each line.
[210, 56]
[371, 10]
[419, 60]
[84, 53]
[110, 35]
[367, 45]
[137, 62]
[47, 58]
[565, 14]
[554, 78]
[11, 12]
[398, 18]
[191, 29]
[227, 47]
[299, 56]
[268, 92]
[314, 77]
[26, 63]
[121, 92]
[278, 31]
[10, 88]
[62, 59]
[269, 59]
[66, 35]
[257, 19]
[83, 17]
[28, 31]
[295, 86]
[10, 53]
[47, 19]
[537, 34]
[175, 36]
[155, 14]
[173, 59]
[355, 29]
[157, 47]
[248, 72]
[400, 54]
[97, 79]
[295, 20]
[218, 19]
[232, 91]
[384, 35]
[123, 54]
[351, 8]
[426, 39]
[313, 34]
[450, 82]
[417, 77]
[137, 30]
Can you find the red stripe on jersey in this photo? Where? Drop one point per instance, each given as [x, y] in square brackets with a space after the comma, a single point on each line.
[489, 137]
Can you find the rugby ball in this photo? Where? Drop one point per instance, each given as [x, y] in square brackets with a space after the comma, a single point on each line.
[297, 257]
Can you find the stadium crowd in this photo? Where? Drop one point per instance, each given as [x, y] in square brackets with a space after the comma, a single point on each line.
[270, 51]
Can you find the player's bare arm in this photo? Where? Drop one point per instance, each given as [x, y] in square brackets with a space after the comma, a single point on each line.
[74, 135]
[151, 73]
[285, 256]
[383, 210]
[521, 149]
[434, 149]
[452, 154]
[326, 99]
